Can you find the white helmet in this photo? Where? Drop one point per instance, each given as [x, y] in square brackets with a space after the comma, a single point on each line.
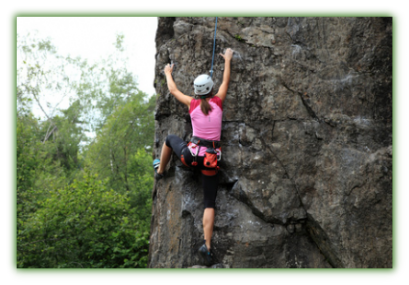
[203, 84]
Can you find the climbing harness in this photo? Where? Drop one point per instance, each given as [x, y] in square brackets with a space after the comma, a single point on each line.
[213, 154]
[214, 44]
[206, 143]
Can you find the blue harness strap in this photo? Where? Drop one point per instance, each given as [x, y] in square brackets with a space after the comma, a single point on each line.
[214, 43]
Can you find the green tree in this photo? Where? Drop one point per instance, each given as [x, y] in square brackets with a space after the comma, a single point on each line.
[84, 173]
[84, 225]
[121, 151]
[44, 145]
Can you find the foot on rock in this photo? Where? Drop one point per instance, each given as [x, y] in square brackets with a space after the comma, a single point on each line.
[206, 255]
[156, 164]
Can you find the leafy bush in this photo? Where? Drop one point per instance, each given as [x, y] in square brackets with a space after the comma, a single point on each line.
[84, 225]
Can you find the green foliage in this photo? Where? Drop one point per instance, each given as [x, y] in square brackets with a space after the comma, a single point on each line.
[35, 166]
[239, 38]
[81, 202]
[83, 225]
[121, 152]
[46, 149]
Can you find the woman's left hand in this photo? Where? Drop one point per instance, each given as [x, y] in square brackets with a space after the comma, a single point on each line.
[169, 68]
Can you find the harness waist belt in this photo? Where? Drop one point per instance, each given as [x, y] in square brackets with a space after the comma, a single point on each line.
[206, 143]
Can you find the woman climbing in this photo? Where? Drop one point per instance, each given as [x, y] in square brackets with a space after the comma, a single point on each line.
[203, 150]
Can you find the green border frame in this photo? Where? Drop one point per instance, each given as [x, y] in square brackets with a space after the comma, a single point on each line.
[375, 8]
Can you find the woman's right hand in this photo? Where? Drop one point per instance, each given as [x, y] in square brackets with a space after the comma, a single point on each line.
[228, 54]
[168, 68]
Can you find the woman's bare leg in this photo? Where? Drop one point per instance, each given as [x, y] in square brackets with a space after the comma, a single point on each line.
[208, 221]
[164, 158]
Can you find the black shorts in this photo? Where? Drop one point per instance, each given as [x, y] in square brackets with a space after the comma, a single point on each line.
[209, 183]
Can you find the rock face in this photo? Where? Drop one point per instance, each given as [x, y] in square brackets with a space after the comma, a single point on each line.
[306, 171]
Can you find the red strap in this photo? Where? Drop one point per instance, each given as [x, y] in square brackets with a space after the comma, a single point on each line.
[182, 158]
[210, 172]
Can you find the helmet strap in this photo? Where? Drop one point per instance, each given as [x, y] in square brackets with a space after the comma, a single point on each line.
[210, 94]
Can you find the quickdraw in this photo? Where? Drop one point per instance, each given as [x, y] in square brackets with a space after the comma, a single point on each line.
[219, 154]
[194, 155]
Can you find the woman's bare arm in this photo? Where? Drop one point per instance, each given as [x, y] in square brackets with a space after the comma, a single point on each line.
[173, 88]
[226, 74]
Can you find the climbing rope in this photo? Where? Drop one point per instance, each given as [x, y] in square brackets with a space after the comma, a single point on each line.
[214, 43]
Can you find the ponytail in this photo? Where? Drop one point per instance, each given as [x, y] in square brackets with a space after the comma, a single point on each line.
[204, 105]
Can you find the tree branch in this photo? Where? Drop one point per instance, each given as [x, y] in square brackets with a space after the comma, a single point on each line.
[49, 134]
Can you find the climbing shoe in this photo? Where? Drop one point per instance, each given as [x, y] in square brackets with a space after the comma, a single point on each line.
[156, 163]
[206, 255]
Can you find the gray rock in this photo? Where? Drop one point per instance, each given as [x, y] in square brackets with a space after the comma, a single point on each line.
[306, 172]
[197, 267]
[298, 228]
[290, 228]
[218, 265]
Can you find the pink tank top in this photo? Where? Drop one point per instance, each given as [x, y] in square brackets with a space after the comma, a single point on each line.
[207, 127]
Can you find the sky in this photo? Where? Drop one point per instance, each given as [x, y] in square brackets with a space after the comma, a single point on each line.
[93, 38]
